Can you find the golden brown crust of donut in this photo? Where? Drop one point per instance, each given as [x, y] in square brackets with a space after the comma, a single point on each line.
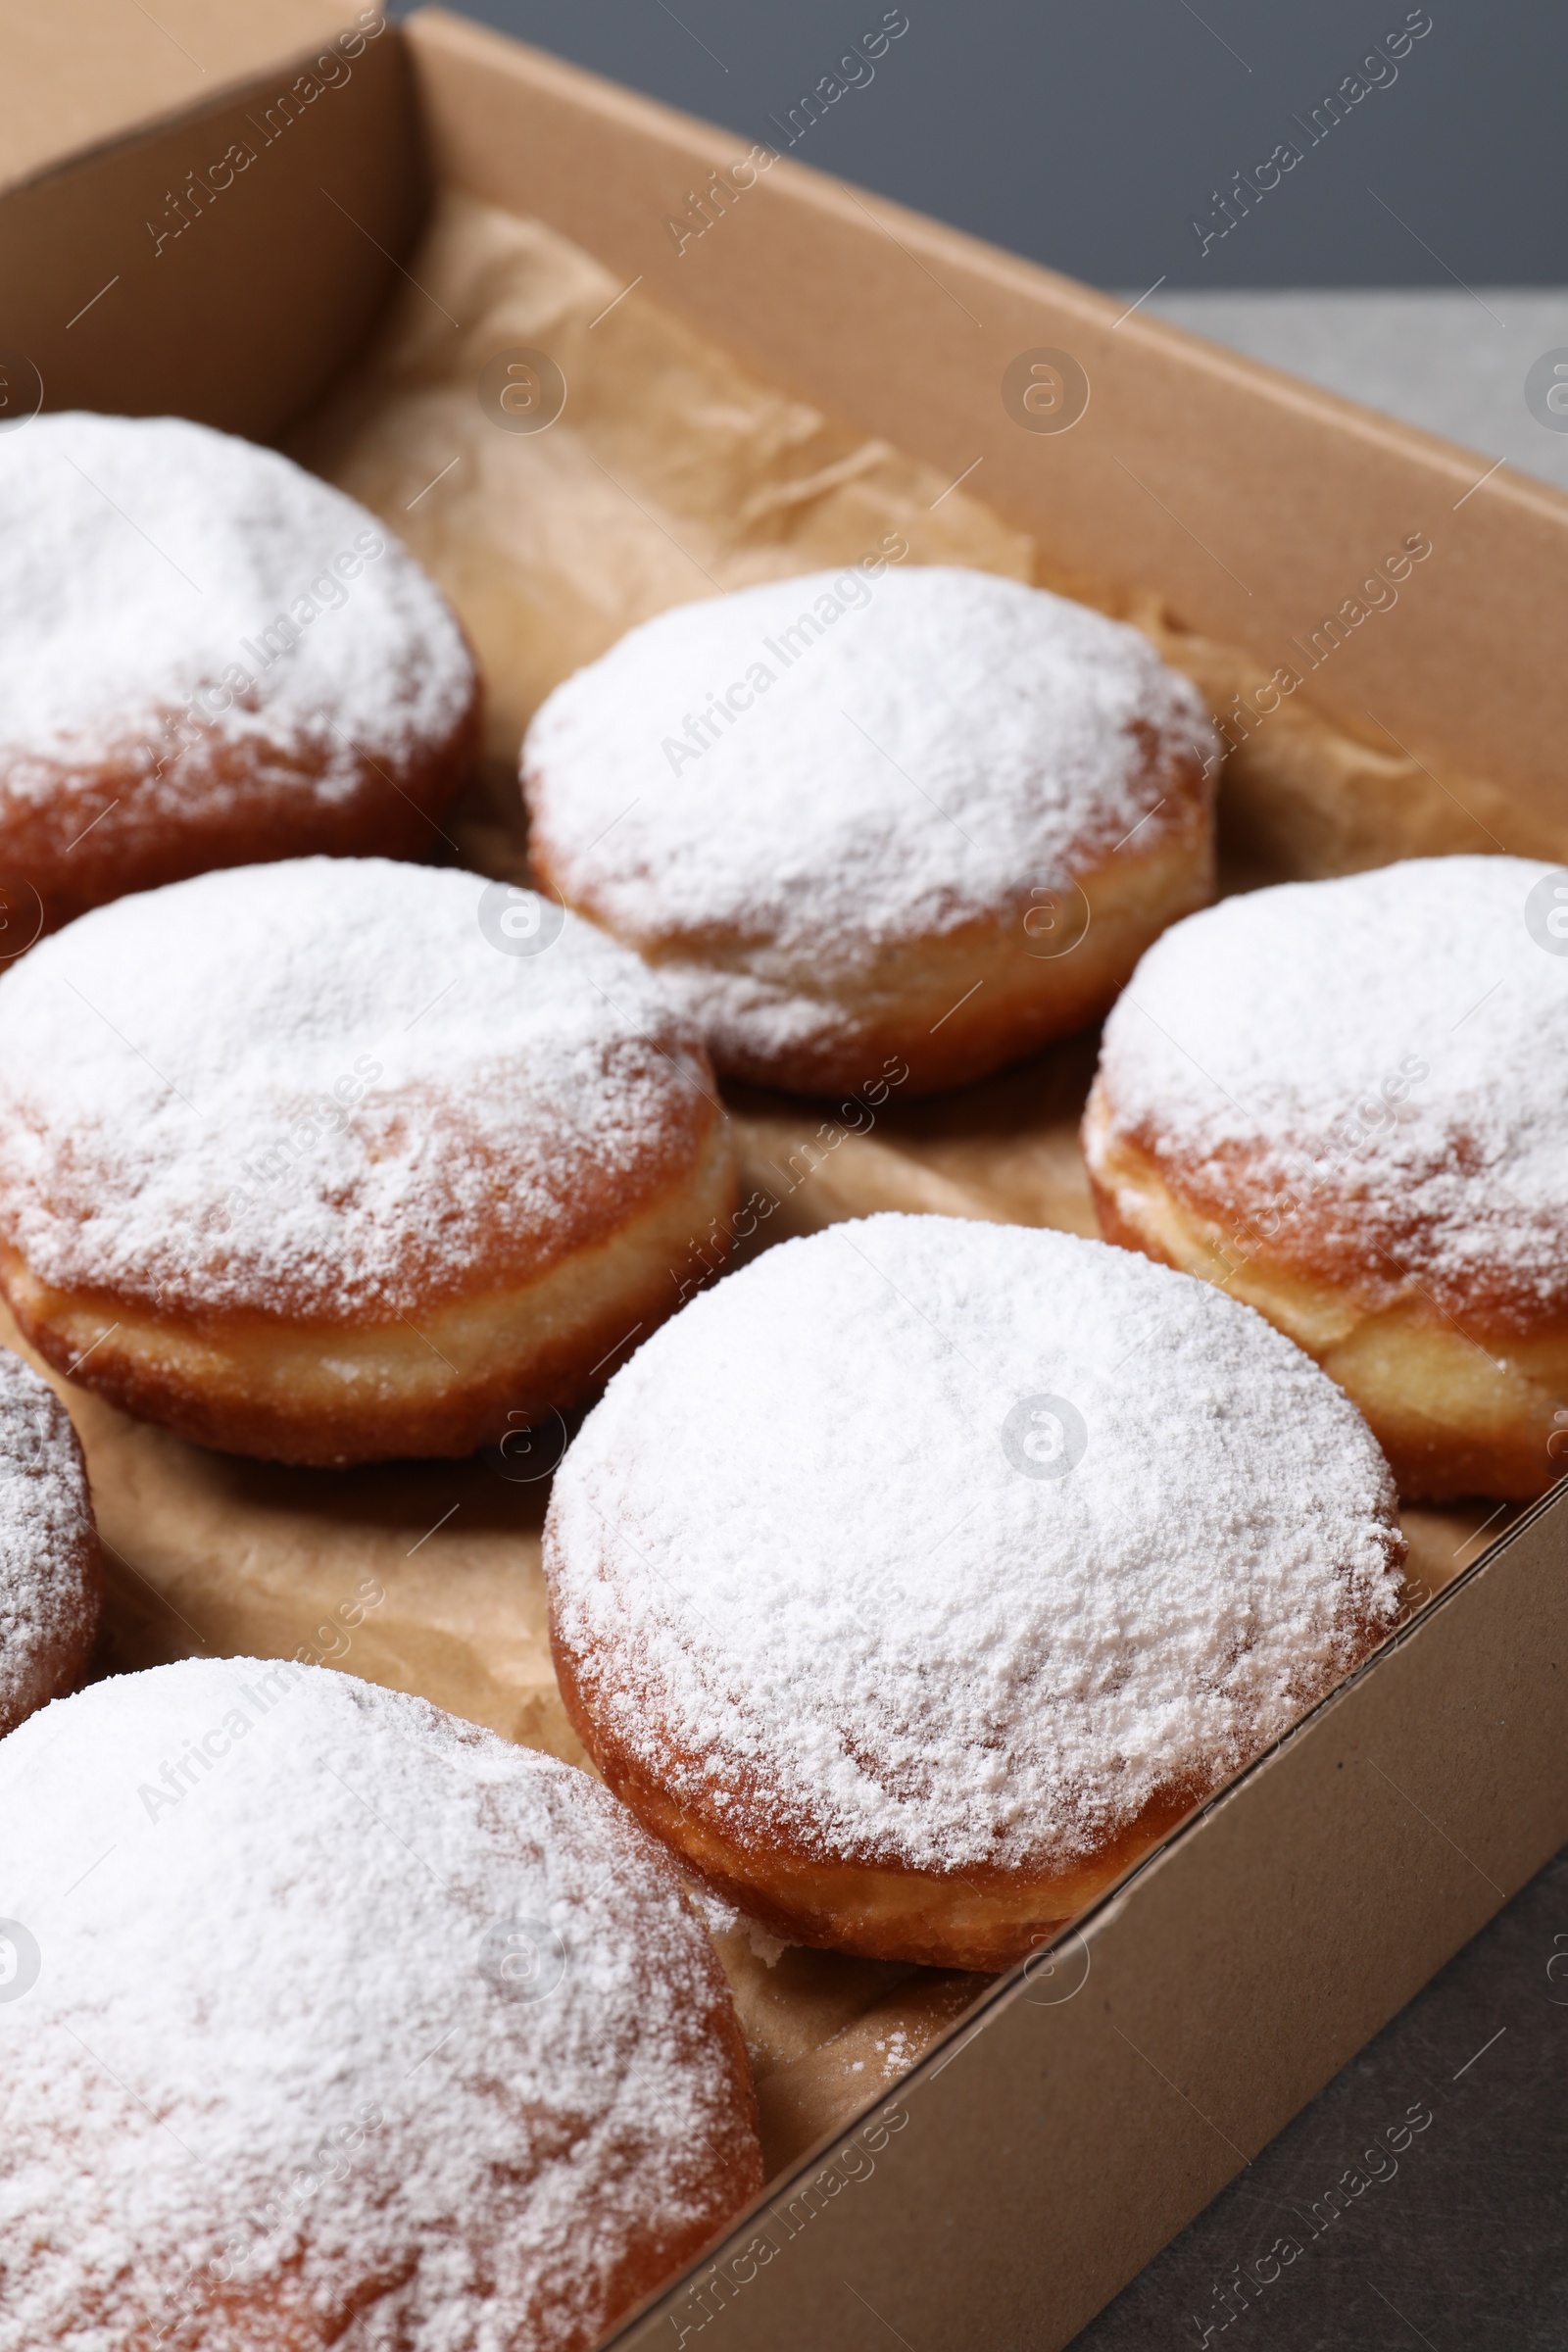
[1461, 1404]
[955, 1007]
[983, 1919]
[677, 1133]
[98, 832]
[732, 2176]
[440, 1380]
[84, 1567]
[71, 1660]
[729, 2179]
[722, 2174]
[79, 1566]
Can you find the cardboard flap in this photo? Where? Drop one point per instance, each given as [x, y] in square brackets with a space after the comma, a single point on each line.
[225, 264]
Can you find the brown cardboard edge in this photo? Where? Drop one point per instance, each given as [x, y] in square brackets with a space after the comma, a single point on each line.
[113, 65]
[1451, 1897]
[1259, 504]
[242, 315]
[214, 97]
[692, 141]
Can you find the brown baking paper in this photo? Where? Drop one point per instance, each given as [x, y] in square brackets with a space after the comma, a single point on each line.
[668, 473]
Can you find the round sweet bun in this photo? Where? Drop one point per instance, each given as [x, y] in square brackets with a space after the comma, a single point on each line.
[332, 2019]
[51, 1574]
[207, 658]
[311, 1162]
[1343, 1101]
[928, 816]
[918, 1578]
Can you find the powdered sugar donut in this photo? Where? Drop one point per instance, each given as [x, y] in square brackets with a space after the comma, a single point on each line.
[318, 1161]
[1343, 1101]
[355, 2026]
[207, 656]
[918, 1578]
[51, 1577]
[930, 813]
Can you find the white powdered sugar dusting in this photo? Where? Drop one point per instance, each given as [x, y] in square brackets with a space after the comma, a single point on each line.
[829, 764]
[159, 573]
[48, 1588]
[340, 2021]
[330, 1085]
[1378, 1061]
[944, 1544]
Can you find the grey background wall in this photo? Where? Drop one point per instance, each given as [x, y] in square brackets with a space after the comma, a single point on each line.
[1092, 135]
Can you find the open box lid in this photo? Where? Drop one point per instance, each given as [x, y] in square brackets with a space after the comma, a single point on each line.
[199, 209]
[80, 75]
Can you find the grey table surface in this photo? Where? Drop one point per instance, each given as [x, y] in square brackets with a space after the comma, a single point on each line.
[1456, 361]
[1422, 2198]
[1332, 2240]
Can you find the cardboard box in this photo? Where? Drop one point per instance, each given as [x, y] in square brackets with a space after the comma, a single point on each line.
[1096, 2099]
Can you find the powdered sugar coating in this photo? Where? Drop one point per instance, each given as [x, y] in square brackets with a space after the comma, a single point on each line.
[352, 2024]
[49, 1581]
[801, 1537]
[1370, 1067]
[321, 1087]
[948, 741]
[146, 558]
